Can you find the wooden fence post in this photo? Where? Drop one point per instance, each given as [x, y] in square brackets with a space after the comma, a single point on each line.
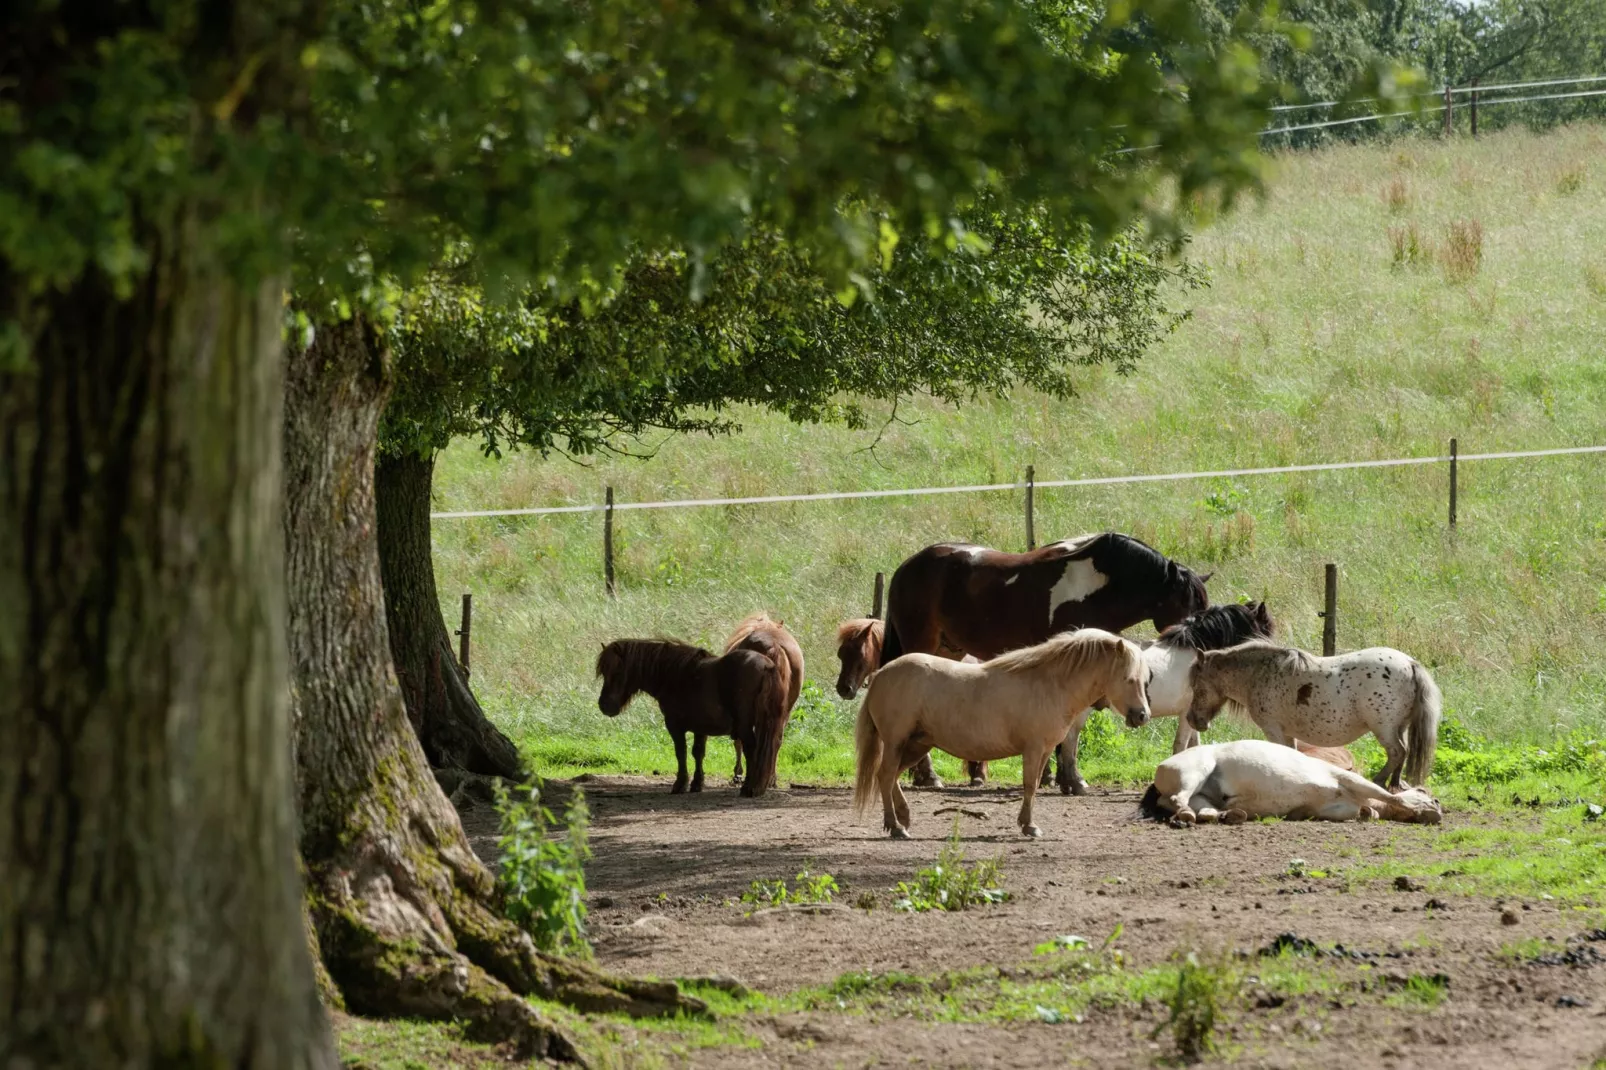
[1330, 614]
[1031, 488]
[1449, 111]
[462, 633]
[1452, 484]
[607, 546]
[1474, 115]
[880, 589]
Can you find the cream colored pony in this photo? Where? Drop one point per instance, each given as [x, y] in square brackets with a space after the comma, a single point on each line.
[1020, 703]
[1233, 782]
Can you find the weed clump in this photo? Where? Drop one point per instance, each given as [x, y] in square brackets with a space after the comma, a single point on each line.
[951, 884]
[807, 888]
[1462, 254]
[1409, 246]
[1204, 987]
[542, 879]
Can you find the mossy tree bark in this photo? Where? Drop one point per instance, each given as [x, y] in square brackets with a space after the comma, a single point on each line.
[450, 724]
[150, 913]
[403, 911]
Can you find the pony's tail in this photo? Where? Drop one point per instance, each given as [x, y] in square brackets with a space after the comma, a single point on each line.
[1422, 727]
[771, 714]
[867, 750]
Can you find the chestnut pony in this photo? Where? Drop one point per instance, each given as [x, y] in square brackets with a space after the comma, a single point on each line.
[770, 638]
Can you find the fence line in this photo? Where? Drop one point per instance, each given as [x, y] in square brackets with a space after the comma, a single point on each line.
[1426, 111]
[1095, 481]
[1439, 92]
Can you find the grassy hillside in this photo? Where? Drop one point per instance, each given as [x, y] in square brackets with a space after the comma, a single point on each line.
[1351, 315]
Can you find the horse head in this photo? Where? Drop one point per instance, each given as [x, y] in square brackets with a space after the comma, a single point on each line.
[618, 688]
[1419, 806]
[1182, 596]
[1208, 699]
[1128, 688]
[859, 650]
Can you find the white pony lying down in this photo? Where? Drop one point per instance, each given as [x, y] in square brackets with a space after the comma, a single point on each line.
[1232, 782]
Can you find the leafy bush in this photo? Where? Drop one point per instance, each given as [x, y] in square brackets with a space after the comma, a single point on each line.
[951, 884]
[542, 879]
[808, 888]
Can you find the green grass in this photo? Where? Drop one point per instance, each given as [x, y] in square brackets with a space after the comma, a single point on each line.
[1309, 346]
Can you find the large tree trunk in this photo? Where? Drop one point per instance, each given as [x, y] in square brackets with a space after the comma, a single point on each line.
[403, 911]
[449, 722]
[150, 913]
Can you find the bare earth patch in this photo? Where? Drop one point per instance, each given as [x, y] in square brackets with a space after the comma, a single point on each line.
[668, 869]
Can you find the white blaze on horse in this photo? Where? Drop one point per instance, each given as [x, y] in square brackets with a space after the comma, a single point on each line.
[1020, 703]
[1327, 701]
[1249, 778]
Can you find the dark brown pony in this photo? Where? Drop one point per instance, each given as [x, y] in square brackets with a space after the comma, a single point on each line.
[770, 638]
[984, 602]
[698, 693]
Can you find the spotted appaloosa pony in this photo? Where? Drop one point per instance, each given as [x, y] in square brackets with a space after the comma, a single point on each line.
[698, 693]
[1326, 701]
[770, 638]
[1170, 659]
[983, 602]
[1233, 782]
[1018, 703]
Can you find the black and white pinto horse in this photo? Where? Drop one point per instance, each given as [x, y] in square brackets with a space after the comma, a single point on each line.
[956, 599]
[1169, 660]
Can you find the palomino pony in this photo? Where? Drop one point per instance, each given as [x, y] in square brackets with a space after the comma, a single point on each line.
[1233, 782]
[698, 693]
[1327, 701]
[1030, 697]
[769, 637]
[983, 602]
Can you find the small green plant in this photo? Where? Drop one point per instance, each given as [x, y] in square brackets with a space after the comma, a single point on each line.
[951, 884]
[542, 878]
[1203, 988]
[806, 888]
[1226, 499]
[1571, 179]
[1408, 246]
[1425, 990]
[813, 704]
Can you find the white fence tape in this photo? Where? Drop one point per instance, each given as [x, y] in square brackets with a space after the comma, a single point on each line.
[771, 499]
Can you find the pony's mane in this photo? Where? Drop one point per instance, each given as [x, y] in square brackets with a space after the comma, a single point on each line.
[750, 624]
[1072, 651]
[1214, 628]
[1140, 554]
[654, 659]
[1266, 650]
[863, 632]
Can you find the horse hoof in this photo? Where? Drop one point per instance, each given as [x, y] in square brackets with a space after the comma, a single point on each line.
[899, 833]
[736, 781]
[1234, 817]
[1079, 787]
[1032, 832]
[976, 781]
[678, 789]
[1183, 819]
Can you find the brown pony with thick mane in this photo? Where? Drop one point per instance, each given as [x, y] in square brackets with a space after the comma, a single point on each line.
[699, 693]
[758, 633]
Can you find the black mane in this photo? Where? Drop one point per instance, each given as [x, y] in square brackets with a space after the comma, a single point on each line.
[1139, 557]
[1219, 627]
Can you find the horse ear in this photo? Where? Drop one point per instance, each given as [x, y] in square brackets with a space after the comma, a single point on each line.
[1206, 577]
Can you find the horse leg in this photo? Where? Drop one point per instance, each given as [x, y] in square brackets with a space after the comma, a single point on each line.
[699, 745]
[1181, 795]
[736, 777]
[1389, 778]
[921, 775]
[978, 773]
[1031, 764]
[1186, 736]
[680, 762]
[892, 800]
[1069, 776]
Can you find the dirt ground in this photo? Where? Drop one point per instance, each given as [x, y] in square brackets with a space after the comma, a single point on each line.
[666, 867]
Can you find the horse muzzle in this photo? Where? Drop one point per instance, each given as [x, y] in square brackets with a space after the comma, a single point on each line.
[1137, 717]
[843, 690]
[602, 704]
